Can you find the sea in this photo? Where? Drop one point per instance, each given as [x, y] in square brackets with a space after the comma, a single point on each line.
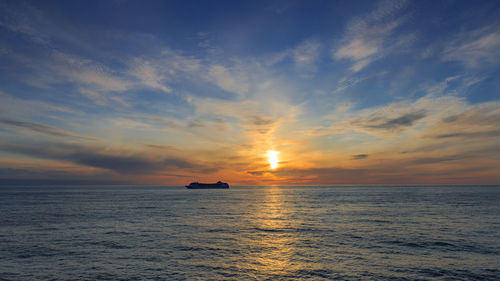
[250, 233]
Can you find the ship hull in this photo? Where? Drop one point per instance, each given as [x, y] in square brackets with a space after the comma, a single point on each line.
[208, 186]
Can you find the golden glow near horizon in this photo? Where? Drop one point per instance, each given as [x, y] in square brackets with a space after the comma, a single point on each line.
[273, 158]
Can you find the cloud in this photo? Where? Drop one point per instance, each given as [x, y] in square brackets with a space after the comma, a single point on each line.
[28, 22]
[227, 80]
[256, 173]
[175, 61]
[487, 151]
[360, 51]
[370, 37]
[280, 7]
[97, 81]
[359, 156]
[98, 157]
[476, 122]
[482, 134]
[93, 79]
[357, 49]
[419, 170]
[59, 69]
[160, 146]
[432, 160]
[43, 129]
[394, 118]
[149, 76]
[105, 85]
[475, 48]
[339, 175]
[305, 56]
[261, 121]
[159, 71]
[196, 123]
[171, 67]
[57, 176]
[11, 106]
[406, 120]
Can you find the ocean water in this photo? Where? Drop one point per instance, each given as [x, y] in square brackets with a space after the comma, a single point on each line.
[250, 233]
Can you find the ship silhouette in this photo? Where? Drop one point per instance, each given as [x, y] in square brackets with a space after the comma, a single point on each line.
[197, 185]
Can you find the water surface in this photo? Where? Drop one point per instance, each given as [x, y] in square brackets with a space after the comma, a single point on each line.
[250, 233]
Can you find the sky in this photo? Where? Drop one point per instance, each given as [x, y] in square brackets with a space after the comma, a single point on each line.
[249, 92]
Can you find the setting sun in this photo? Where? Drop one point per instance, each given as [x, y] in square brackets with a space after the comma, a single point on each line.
[273, 158]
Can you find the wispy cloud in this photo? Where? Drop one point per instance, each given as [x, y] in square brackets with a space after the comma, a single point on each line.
[95, 80]
[157, 71]
[262, 121]
[359, 156]
[149, 76]
[490, 133]
[94, 156]
[17, 108]
[43, 129]
[393, 172]
[370, 37]
[403, 116]
[227, 80]
[471, 155]
[475, 48]
[27, 22]
[56, 176]
[377, 122]
[306, 56]
[92, 79]
[479, 121]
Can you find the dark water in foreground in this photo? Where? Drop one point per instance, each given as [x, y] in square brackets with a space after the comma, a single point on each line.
[248, 233]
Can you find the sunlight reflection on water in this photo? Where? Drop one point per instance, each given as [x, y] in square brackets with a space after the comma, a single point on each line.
[272, 219]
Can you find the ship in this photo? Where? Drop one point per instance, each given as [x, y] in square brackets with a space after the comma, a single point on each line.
[197, 185]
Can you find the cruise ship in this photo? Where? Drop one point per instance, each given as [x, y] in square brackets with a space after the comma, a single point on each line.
[197, 185]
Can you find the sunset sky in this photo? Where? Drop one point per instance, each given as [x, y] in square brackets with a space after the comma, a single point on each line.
[170, 92]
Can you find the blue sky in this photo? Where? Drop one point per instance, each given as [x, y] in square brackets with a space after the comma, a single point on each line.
[160, 92]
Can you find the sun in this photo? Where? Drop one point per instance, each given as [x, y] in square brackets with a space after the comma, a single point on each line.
[273, 158]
